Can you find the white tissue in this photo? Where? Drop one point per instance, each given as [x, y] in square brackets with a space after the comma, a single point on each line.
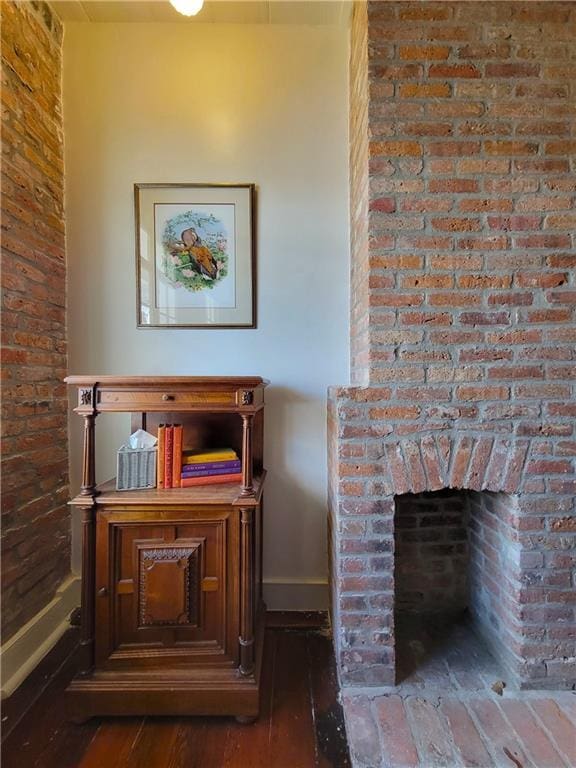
[141, 439]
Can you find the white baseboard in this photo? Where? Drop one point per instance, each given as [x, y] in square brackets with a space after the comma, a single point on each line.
[26, 649]
[282, 594]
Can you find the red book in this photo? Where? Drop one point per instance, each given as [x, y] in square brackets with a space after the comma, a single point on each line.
[160, 455]
[177, 456]
[211, 480]
[169, 451]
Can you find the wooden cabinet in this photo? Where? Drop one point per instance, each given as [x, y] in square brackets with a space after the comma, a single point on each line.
[172, 611]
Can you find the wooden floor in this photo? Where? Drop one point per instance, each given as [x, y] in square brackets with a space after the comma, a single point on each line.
[301, 723]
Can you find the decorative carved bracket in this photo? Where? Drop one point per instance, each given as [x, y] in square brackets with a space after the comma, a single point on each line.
[247, 397]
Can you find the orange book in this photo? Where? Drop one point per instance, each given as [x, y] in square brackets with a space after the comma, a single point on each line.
[168, 455]
[177, 456]
[211, 480]
[160, 456]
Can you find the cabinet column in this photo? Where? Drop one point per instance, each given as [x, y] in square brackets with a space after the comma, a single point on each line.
[247, 486]
[88, 457]
[246, 638]
[87, 597]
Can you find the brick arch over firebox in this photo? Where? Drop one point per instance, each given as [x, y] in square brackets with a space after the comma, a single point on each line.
[433, 462]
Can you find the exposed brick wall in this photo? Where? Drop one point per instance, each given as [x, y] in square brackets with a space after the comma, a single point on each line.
[471, 291]
[431, 551]
[35, 519]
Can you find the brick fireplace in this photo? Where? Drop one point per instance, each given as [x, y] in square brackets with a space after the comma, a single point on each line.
[451, 456]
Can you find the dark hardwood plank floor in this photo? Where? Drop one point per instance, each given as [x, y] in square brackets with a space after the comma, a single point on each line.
[300, 725]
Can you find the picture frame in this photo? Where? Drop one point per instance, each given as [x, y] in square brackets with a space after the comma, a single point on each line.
[195, 255]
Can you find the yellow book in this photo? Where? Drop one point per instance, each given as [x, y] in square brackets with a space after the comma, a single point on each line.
[201, 457]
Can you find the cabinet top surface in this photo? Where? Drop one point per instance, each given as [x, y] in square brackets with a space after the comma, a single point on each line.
[161, 381]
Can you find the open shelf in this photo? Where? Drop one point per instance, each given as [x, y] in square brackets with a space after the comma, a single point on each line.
[224, 493]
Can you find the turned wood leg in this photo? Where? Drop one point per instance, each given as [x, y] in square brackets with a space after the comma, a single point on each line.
[247, 479]
[246, 638]
[88, 457]
[87, 607]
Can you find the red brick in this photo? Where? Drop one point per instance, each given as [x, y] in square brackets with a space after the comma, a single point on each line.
[449, 71]
[510, 148]
[426, 204]
[512, 70]
[427, 281]
[456, 225]
[543, 241]
[426, 129]
[398, 71]
[455, 108]
[479, 393]
[429, 12]
[424, 52]
[451, 262]
[453, 148]
[484, 51]
[565, 147]
[395, 148]
[531, 733]
[511, 299]
[466, 738]
[553, 467]
[541, 165]
[453, 185]
[365, 742]
[558, 725]
[564, 221]
[383, 204]
[548, 316]
[561, 297]
[394, 299]
[425, 318]
[484, 281]
[434, 742]
[397, 469]
[456, 337]
[397, 743]
[424, 90]
[484, 318]
[454, 298]
[478, 165]
[469, 205]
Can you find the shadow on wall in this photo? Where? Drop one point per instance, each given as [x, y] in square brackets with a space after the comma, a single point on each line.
[295, 494]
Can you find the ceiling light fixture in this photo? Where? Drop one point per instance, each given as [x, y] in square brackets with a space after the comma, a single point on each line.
[187, 7]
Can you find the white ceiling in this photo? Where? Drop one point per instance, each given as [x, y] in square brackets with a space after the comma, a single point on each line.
[331, 12]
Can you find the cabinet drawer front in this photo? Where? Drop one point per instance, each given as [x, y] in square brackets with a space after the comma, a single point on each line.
[165, 400]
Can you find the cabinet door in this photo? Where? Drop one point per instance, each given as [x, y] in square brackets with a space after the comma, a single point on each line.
[161, 592]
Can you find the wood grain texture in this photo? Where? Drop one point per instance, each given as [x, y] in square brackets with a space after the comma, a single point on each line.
[300, 723]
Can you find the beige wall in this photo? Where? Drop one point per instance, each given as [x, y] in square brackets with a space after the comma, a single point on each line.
[215, 103]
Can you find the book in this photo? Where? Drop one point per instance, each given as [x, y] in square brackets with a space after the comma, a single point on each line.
[187, 482]
[210, 472]
[160, 456]
[168, 454]
[224, 466]
[201, 457]
[177, 456]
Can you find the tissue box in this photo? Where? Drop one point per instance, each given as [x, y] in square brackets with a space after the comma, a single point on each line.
[136, 468]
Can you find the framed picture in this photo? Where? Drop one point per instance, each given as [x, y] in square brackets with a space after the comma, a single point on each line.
[195, 255]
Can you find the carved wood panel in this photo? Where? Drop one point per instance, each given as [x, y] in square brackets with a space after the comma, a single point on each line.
[169, 581]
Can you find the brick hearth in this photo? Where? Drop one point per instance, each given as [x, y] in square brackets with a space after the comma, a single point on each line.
[462, 332]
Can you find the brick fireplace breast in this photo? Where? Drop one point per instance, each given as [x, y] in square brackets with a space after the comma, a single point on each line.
[462, 322]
